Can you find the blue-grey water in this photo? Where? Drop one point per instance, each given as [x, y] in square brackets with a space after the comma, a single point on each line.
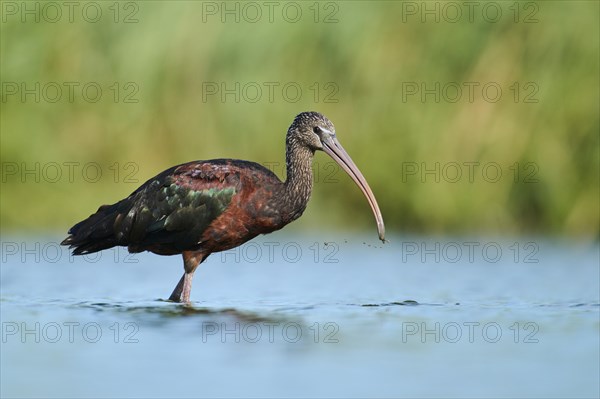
[294, 316]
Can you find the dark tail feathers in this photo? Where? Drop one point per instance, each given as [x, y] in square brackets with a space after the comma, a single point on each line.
[97, 231]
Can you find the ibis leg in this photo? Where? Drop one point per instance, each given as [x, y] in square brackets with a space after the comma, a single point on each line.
[182, 291]
[176, 296]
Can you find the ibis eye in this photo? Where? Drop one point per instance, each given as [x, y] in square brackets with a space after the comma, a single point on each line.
[316, 129]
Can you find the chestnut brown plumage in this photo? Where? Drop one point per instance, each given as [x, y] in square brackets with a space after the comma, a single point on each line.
[202, 207]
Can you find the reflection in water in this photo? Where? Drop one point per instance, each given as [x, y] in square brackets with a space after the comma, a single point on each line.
[169, 309]
[163, 313]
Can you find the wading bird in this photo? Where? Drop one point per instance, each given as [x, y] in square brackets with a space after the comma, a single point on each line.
[201, 207]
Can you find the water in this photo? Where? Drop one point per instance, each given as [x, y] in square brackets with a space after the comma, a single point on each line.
[291, 316]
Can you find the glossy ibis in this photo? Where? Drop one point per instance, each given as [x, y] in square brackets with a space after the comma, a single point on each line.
[201, 207]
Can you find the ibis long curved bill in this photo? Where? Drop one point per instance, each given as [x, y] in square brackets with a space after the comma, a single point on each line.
[334, 149]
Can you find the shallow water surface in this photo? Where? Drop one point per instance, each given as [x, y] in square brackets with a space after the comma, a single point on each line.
[292, 316]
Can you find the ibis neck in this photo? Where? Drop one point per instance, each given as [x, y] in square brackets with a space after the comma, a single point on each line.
[299, 179]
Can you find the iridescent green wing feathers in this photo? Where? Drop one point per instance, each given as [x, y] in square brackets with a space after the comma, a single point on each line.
[167, 214]
[177, 208]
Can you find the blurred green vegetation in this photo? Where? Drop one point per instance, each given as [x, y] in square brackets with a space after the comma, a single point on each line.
[370, 56]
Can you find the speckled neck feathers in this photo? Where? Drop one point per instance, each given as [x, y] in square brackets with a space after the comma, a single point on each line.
[299, 179]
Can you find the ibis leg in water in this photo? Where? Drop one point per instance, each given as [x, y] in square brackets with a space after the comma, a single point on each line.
[201, 207]
[191, 260]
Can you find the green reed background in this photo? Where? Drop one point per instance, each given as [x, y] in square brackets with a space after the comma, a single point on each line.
[364, 59]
